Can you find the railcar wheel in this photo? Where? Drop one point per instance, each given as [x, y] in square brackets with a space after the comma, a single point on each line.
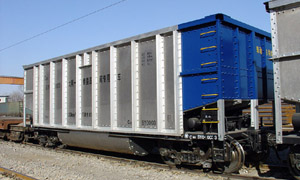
[237, 158]
[294, 161]
[169, 157]
[169, 161]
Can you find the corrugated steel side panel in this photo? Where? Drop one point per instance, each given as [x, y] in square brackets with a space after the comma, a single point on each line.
[29, 80]
[129, 86]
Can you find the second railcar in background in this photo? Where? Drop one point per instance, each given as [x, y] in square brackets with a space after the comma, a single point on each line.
[285, 15]
[178, 91]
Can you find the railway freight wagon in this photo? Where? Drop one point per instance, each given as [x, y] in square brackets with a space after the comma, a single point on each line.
[285, 15]
[178, 91]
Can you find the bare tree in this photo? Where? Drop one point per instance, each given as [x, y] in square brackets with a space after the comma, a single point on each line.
[17, 95]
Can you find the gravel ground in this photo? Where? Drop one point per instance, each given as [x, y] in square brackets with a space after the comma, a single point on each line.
[2, 177]
[49, 164]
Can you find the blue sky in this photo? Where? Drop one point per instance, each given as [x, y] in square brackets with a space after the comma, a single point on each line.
[21, 19]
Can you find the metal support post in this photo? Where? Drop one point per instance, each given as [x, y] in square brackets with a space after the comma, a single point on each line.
[254, 114]
[221, 119]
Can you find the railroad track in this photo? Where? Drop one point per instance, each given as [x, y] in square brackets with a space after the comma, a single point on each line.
[14, 175]
[156, 162]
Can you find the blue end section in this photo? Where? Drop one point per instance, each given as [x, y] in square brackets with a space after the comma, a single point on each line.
[224, 18]
[224, 59]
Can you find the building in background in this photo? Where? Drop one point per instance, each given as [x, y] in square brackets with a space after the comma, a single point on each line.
[10, 108]
[3, 99]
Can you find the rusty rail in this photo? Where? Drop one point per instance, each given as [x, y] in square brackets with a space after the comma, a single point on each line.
[15, 174]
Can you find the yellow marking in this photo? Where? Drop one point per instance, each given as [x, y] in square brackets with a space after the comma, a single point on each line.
[210, 47]
[210, 109]
[210, 121]
[260, 51]
[208, 79]
[210, 94]
[214, 62]
[207, 33]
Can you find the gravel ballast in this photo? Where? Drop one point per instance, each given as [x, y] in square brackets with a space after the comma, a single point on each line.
[4, 177]
[43, 163]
